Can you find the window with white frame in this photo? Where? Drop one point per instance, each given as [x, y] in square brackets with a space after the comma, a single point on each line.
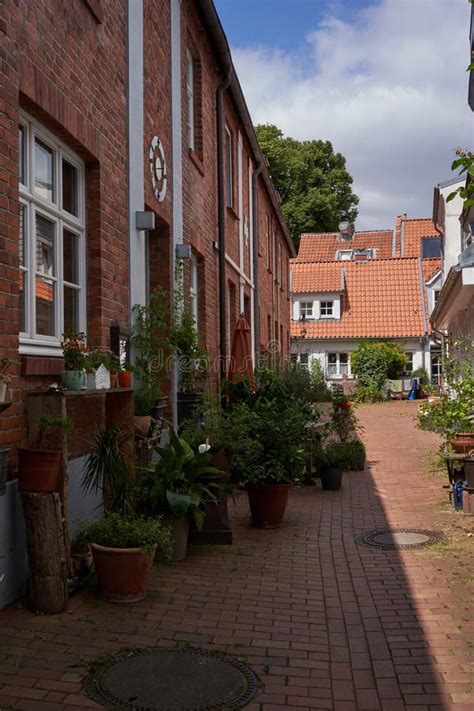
[51, 239]
[304, 359]
[338, 364]
[408, 369]
[344, 255]
[326, 309]
[229, 183]
[190, 100]
[193, 290]
[268, 243]
[306, 309]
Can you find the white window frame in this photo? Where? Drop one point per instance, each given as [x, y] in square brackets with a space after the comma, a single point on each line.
[229, 177]
[407, 370]
[338, 373]
[304, 308]
[30, 341]
[193, 289]
[326, 315]
[303, 360]
[344, 255]
[190, 78]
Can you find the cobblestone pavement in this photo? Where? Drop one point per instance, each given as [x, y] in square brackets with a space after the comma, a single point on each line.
[326, 623]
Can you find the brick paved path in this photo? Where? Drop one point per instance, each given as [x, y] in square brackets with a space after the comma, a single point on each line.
[327, 624]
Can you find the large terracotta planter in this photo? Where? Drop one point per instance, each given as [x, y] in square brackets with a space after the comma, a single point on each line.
[122, 573]
[268, 503]
[142, 424]
[38, 470]
[463, 442]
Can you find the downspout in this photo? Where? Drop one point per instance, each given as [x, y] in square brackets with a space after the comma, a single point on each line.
[255, 237]
[221, 219]
[425, 339]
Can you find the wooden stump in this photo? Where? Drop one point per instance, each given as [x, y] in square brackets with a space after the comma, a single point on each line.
[47, 565]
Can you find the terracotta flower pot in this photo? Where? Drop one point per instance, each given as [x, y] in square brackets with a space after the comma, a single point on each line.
[113, 380]
[125, 379]
[463, 442]
[142, 424]
[268, 503]
[122, 573]
[38, 470]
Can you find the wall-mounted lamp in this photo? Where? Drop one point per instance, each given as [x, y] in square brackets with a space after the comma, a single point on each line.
[183, 251]
[145, 220]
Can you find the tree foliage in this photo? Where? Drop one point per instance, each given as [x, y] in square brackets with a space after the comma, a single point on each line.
[313, 183]
[373, 362]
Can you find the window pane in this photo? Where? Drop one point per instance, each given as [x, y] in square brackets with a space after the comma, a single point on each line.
[44, 307]
[44, 170]
[332, 369]
[71, 309]
[343, 358]
[21, 154]
[70, 242]
[45, 246]
[21, 279]
[343, 368]
[22, 245]
[332, 358]
[70, 183]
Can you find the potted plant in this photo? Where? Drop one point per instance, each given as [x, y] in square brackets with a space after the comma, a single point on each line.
[177, 485]
[150, 340]
[452, 413]
[331, 470]
[5, 378]
[39, 465]
[193, 364]
[74, 352]
[266, 438]
[125, 376]
[123, 549]
[144, 399]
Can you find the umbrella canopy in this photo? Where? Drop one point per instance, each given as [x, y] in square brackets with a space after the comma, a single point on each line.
[241, 365]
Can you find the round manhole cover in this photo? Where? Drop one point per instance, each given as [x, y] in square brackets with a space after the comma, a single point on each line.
[183, 679]
[391, 539]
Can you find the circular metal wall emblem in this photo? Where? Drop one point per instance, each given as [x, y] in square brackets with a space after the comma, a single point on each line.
[159, 177]
[162, 679]
[392, 539]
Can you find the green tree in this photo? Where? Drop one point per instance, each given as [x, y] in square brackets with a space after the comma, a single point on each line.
[313, 183]
[373, 362]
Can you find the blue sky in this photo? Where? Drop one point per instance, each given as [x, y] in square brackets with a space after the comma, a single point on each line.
[384, 81]
[279, 23]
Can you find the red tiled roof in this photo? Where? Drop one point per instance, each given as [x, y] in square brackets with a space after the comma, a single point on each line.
[412, 230]
[326, 276]
[322, 246]
[382, 299]
[430, 267]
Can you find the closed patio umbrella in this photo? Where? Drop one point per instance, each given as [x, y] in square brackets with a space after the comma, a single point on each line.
[241, 365]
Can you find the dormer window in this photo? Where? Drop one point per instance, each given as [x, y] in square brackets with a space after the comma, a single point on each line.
[344, 255]
[306, 309]
[327, 309]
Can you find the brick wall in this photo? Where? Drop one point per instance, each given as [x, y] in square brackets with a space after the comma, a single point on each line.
[67, 70]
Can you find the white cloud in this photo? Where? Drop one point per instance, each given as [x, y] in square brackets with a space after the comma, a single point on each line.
[389, 91]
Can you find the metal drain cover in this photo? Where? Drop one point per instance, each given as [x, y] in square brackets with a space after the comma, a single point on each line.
[182, 679]
[392, 539]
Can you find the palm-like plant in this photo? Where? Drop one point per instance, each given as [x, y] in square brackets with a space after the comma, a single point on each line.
[180, 481]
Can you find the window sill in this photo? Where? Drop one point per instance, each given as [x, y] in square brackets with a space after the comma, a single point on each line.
[232, 212]
[196, 160]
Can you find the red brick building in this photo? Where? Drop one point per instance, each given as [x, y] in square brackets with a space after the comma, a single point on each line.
[110, 111]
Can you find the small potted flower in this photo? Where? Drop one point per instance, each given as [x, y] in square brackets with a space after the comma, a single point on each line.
[125, 376]
[74, 351]
[5, 378]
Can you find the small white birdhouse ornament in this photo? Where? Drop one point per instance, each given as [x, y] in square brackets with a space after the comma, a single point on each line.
[102, 378]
